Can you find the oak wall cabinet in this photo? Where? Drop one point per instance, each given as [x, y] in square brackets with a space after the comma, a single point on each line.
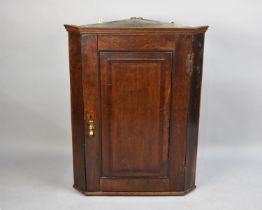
[135, 97]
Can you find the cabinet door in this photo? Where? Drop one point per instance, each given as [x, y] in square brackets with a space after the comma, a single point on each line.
[135, 110]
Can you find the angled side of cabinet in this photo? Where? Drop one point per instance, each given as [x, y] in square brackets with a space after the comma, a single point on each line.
[194, 109]
[77, 110]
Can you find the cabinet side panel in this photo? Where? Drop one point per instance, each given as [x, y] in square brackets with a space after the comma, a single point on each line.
[179, 113]
[193, 118]
[77, 110]
[91, 109]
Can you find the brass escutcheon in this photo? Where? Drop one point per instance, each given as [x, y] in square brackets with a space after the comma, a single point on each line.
[91, 126]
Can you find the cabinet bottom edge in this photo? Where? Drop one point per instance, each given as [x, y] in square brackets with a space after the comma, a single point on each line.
[116, 193]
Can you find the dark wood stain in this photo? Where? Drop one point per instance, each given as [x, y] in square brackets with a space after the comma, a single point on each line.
[193, 116]
[135, 185]
[132, 112]
[136, 42]
[134, 78]
[77, 110]
[91, 109]
[178, 121]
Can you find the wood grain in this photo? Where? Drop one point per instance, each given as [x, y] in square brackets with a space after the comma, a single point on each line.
[138, 86]
[136, 185]
[77, 110]
[136, 42]
[91, 108]
[135, 117]
[179, 113]
[141, 193]
[191, 30]
[194, 108]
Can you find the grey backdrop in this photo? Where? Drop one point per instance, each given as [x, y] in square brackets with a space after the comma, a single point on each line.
[35, 132]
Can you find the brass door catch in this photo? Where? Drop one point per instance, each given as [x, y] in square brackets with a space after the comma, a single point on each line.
[91, 126]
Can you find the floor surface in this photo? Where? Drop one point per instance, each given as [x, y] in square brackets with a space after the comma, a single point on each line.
[228, 178]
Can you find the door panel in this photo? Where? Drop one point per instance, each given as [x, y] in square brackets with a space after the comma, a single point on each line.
[135, 106]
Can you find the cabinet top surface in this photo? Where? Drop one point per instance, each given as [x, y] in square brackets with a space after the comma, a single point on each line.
[134, 24]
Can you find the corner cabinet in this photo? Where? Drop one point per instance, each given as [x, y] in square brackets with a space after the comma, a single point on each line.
[135, 97]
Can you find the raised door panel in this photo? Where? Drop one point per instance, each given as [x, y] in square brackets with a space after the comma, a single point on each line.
[135, 106]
